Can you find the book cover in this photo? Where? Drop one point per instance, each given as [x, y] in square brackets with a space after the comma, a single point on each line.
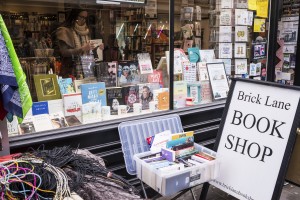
[180, 94]
[206, 93]
[189, 72]
[156, 77]
[241, 33]
[226, 3]
[194, 54]
[94, 92]
[114, 98]
[128, 73]
[39, 108]
[241, 16]
[72, 120]
[226, 17]
[91, 112]
[55, 106]
[163, 101]
[58, 120]
[72, 105]
[97, 51]
[66, 86]
[107, 72]
[225, 34]
[27, 126]
[146, 93]
[179, 57]
[131, 95]
[42, 123]
[145, 63]
[12, 127]
[194, 91]
[225, 50]
[46, 86]
[207, 55]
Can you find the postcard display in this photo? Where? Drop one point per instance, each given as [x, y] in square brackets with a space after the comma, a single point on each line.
[237, 27]
[287, 40]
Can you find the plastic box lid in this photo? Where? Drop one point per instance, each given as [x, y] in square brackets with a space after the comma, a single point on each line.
[133, 135]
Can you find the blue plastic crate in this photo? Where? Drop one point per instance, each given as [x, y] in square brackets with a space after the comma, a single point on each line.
[133, 135]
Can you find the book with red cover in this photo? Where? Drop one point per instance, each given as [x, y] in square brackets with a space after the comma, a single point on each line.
[131, 95]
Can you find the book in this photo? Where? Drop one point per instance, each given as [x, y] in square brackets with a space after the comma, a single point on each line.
[241, 16]
[46, 86]
[27, 126]
[146, 93]
[55, 106]
[176, 136]
[156, 77]
[91, 112]
[94, 92]
[12, 127]
[145, 63]
[194, 54]
[179, 57]
[189, 72]
[226, 3]
[42, 122]
[107, 72]
[225, 50]
[180, 94]
[66, 86]
[128, 73]
[131, 95]
[72, 120]
[72, 105]
[58, 120]
[163, 100]
[97, 51]
[39, 108]
[114, 98]
[194, 91]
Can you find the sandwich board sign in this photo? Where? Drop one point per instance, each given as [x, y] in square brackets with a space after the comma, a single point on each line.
[256, 138]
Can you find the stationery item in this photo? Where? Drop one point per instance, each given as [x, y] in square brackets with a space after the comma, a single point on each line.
[207, 55]
[261, 6]
[241, 66]
[226, 3]
[240, 50]
[123, 110]
[241, 16]
[225, 17]
[259, 25]
[252, 5]
[252, 69]
[225, 34]
[206, 93]
[241, 33]
[194, 91]
[91, 112]
[137, 108]
[194, 54]
[241, 3]
[225, 50]
[227, 64]
[189, 72]
[105, 112]
[46, 86]
[180, 93]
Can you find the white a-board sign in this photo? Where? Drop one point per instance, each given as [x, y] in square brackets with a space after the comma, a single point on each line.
[255, 139]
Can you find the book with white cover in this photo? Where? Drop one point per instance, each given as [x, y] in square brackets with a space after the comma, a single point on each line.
[241, 34]
[91, 112]
[55, 106]
[42, 122]
[207, 55]
[202, 70]
[145, 63]
[12, 127]
[225, 50]
[73, 105]
[58, 120]
[225, 34]
[240, 50]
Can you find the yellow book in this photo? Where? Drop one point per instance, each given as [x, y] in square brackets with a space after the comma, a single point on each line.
[181, 135]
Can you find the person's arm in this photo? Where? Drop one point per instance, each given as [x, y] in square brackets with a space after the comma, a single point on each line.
[67, 51]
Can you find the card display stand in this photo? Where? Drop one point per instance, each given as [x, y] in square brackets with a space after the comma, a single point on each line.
[133, 136]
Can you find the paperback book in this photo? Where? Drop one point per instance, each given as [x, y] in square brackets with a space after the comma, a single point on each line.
[131, 95]
[66, 86]
[114, 97]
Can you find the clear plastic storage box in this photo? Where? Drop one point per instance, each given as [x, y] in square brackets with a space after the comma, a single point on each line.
[133, 136]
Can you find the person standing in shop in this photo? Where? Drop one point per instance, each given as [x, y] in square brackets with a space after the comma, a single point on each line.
[72, 40]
